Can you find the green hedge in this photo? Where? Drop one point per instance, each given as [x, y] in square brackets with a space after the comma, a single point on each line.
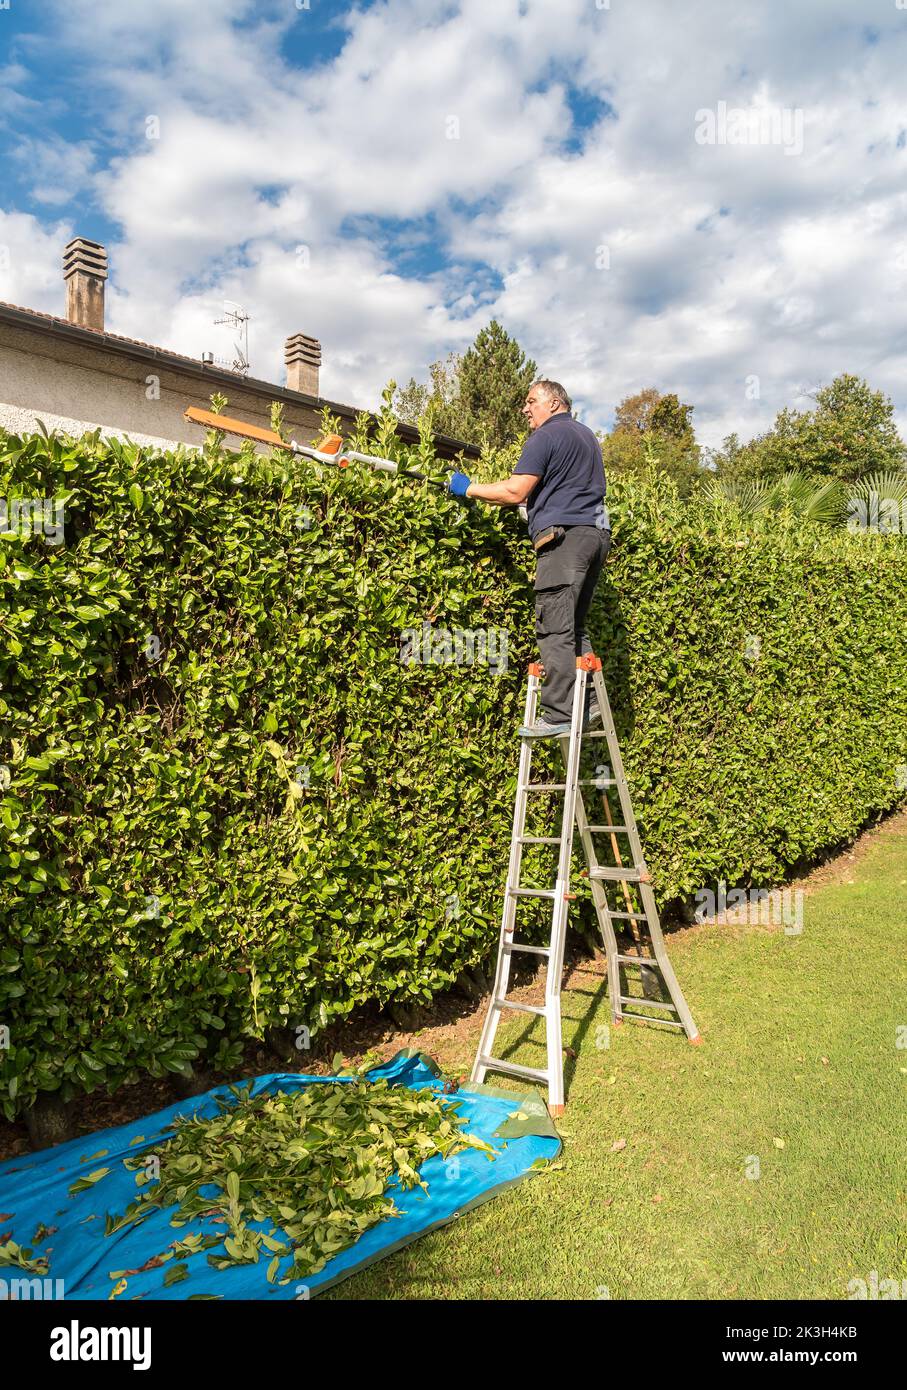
[271, 820]
[759, 674]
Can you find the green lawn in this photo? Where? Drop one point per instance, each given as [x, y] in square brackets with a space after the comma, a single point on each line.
[800, 1068]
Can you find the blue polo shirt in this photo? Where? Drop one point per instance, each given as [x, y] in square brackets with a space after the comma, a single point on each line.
[566, 458]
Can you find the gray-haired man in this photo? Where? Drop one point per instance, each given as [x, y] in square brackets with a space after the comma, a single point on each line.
[561, 479]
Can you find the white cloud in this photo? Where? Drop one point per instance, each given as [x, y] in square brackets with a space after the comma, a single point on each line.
[58, 169]
[31, 262]
[724, 262]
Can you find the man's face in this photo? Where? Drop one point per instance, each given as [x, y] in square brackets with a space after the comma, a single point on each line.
[538, 408]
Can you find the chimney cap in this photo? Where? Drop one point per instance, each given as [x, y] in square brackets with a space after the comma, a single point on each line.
[80, 254]
[301, 348]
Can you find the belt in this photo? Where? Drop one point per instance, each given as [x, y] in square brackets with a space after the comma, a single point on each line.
[554, 533]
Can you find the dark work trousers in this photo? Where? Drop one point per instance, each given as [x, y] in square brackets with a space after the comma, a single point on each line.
[566, 575]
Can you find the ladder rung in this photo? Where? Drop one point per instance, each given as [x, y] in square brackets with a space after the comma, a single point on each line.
[615, 874]
[644, 1018]
[532, 892]
[531, 950]
[648, 961]
[599, 782]
[521, 1008]
[539, 839]
[596, 733]
[630, 916]
[646, 1003]
[530, 1073]
[623, 829]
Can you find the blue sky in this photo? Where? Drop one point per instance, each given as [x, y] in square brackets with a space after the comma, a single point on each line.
[60, 103]
[388, 176]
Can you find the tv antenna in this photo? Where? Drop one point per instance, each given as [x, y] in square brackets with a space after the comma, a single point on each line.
[236, 316]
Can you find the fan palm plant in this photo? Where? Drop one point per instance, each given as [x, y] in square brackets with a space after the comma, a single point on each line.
[796, 493]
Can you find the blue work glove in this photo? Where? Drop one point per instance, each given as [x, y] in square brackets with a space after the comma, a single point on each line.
[457, 484]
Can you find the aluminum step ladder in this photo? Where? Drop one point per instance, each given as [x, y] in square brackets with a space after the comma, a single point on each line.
[640, 919]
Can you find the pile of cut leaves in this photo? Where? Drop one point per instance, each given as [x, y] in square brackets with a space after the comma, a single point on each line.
[315, 1163]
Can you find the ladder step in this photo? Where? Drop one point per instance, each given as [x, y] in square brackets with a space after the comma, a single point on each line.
[530, 950]
[644, 1018]
[616, 874]
[649, 962]
[646, 1003]
[497, 1064]
[520, 1008]
[540, 839]
[621, 829]
[599, 782]
[630, 916]
[532, 892]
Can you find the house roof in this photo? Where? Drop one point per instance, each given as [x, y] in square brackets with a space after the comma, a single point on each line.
[14, 314]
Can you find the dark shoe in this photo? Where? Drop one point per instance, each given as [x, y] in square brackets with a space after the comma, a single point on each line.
[592, 720]
[542, 729]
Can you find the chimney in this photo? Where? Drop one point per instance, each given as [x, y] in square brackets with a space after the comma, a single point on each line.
[85, 270]
[303, 358]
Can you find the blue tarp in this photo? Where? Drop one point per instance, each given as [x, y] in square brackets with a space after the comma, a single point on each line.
[35, 1189]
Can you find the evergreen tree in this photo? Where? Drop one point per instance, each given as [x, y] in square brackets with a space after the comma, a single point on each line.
[477, 397]
[493, 380]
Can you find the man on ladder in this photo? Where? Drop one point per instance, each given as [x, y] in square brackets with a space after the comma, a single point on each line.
[561, 478]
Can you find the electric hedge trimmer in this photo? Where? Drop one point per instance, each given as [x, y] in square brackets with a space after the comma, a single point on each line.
[329, 450]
